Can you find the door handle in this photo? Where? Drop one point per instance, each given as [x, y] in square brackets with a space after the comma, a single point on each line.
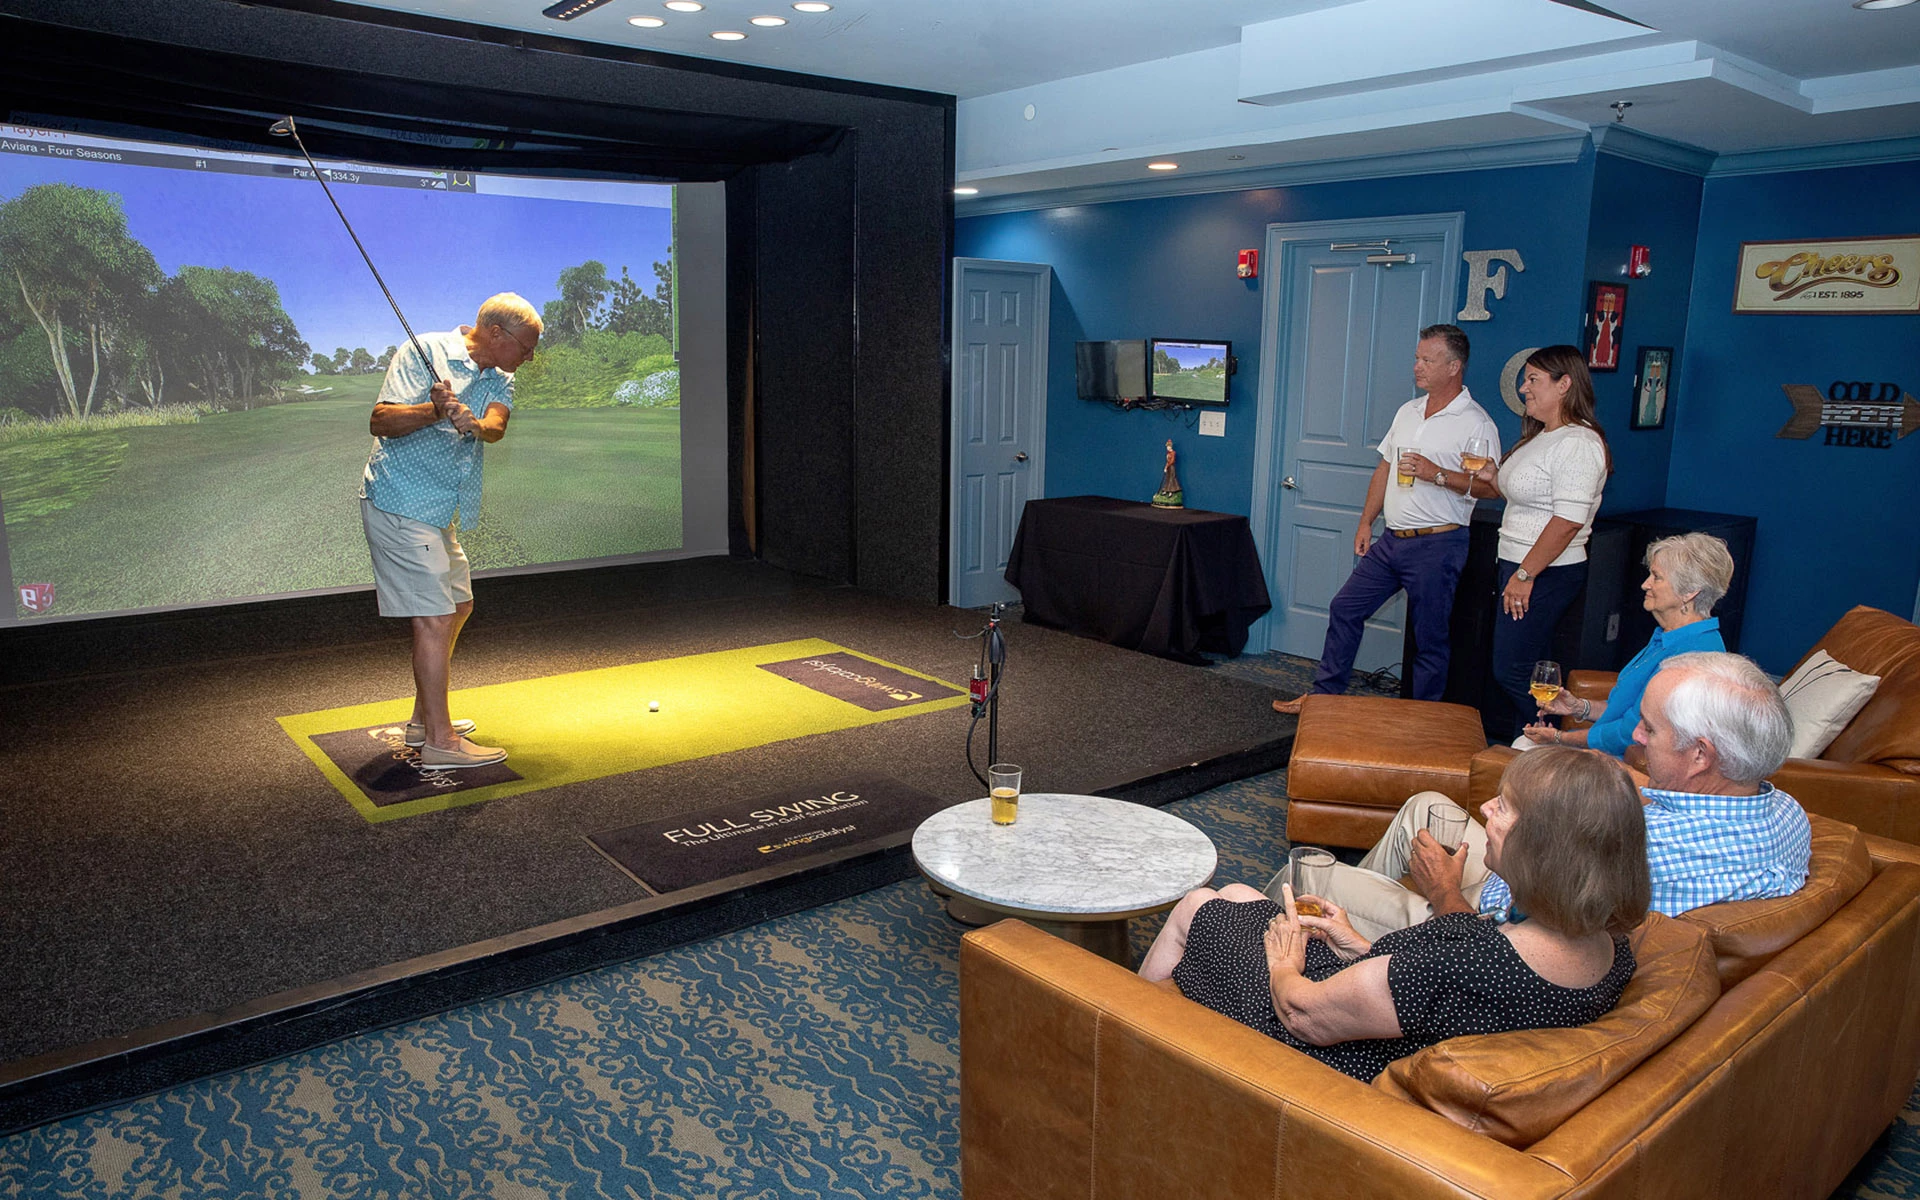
[1288, 483]
[1020, 457]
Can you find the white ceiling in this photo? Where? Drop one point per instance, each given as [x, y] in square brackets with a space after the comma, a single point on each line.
[1057, 94]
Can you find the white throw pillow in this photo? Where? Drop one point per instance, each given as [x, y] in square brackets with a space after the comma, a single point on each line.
[1822, 696]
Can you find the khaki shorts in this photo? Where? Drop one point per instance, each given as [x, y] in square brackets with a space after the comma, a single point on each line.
[418, 571]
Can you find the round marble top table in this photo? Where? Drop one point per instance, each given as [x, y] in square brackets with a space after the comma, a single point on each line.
[1077, 866]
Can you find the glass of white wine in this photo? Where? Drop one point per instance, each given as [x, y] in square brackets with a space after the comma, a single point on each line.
[1546, 682]
[1475, 455]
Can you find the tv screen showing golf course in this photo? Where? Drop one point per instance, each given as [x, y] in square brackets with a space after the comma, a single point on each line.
[1195, 372]
[190, 346]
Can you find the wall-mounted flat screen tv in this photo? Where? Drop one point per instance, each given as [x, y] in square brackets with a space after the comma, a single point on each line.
[1110, 370]
[1189, 372]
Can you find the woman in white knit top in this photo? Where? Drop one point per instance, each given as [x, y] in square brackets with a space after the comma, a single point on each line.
[1551, 480]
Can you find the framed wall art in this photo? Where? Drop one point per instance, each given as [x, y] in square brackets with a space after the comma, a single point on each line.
[1606, 316]
[1652, 387]
[1829, 276]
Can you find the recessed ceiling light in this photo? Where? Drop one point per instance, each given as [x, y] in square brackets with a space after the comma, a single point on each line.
[966, 191]
[1879, 4]
[769, 22]
[812, 6]
[646, 22]
[727, 35]
[1163, 166]
[685, 5]
[1236, 158]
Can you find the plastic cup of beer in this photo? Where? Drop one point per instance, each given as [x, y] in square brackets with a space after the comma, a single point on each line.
[1403, 471]
[1310, 870]
[1003, 786]
[1448, 825]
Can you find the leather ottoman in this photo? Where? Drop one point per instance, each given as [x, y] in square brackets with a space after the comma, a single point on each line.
[1356, 759]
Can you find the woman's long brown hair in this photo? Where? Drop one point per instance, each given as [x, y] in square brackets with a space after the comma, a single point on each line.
[1561, 362]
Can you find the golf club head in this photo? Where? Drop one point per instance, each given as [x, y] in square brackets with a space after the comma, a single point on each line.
[281, 128]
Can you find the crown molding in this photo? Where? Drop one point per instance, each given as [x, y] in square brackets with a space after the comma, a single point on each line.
[1527, 152]
[1815, 158]
[1622, 142]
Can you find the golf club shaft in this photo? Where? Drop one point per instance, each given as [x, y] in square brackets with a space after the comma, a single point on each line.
[321, 177]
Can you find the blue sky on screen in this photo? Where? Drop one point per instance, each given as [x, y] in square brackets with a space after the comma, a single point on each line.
[441, 253]
[1188, 354]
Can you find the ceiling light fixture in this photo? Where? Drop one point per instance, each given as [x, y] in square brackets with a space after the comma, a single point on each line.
[727, 35]
[567, 10]
[684, 5]
[769, 22]
[812, 6]
[966, 191]
[1877, 5]
[646, 22]
[1163, 166]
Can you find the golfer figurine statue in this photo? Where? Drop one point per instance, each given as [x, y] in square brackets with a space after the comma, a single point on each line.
[1169, 494]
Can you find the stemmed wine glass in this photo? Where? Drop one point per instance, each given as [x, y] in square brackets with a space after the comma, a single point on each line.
[1476, 454]
[1546, 682]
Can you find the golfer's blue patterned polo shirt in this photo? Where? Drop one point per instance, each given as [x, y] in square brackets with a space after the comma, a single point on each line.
[430, 473]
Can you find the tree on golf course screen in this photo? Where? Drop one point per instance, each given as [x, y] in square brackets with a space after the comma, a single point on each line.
[190, 346]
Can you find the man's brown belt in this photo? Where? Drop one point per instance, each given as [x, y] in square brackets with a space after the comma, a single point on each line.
[1423, 532]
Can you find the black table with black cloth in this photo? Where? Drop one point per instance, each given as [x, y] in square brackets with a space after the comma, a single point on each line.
[1169, 581]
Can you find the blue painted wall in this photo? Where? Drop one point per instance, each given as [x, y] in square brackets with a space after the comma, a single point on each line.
[1165, 267]
[1636, 204]
[1833, 531]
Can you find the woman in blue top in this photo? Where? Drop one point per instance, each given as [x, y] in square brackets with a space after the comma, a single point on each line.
[1686, 576]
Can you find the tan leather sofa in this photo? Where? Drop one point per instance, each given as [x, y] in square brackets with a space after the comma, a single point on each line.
[1869, 776]
[1080, 1079]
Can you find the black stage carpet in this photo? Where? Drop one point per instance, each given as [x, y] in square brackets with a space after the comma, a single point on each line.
[170, 853]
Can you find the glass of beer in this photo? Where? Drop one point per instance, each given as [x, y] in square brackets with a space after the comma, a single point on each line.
[1448, 825]
[1403, 472]
[1310, 871]
[1477, 453]
[1003, 785]
[1546, 682]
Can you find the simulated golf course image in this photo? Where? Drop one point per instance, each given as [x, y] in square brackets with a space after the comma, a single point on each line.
[1189, 371]
[191, 346]
[262, 501]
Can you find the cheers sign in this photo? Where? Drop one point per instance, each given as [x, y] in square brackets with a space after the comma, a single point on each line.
[1830, 275]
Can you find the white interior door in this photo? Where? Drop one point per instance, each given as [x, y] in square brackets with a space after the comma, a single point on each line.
[998, 458]
[1337, 346]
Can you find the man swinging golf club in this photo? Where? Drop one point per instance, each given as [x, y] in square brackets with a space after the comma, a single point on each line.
[431, 424]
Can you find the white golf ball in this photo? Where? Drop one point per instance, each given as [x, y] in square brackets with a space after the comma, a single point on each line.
[653, 706]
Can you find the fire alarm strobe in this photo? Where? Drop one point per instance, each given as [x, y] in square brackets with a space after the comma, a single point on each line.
[1249, 267]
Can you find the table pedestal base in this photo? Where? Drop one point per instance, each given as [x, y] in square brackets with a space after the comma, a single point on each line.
[1107, 938]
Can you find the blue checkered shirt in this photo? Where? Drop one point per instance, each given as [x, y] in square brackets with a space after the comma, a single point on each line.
[432, 472]
[1704, 850]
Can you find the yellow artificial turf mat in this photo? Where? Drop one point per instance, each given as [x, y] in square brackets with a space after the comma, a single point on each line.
[590, 724]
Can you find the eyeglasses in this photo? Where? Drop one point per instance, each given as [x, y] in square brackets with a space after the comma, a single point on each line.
[526, 351]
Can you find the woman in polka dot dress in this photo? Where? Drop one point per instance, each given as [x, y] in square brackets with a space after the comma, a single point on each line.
[1567, 835]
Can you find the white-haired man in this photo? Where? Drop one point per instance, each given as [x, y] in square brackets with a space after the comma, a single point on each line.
[422, 483]
[1714, 727]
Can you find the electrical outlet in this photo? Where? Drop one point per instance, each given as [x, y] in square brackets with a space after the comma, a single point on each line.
[1213, 424]
[1613, 627]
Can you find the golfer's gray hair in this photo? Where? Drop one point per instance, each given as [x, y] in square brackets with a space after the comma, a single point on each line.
[1698, 565]
[510, 311]
[1728, 701]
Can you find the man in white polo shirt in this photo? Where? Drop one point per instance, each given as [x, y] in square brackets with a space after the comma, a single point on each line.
[1426, 542]
[422, 483]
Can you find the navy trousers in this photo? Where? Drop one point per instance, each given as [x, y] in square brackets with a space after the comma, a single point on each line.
[1517, 645]
[1428, 569]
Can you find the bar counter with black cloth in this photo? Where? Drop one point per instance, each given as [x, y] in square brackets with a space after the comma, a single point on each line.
[1167, 581]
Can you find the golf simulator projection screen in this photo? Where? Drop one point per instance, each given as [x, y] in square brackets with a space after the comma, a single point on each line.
[190, 347]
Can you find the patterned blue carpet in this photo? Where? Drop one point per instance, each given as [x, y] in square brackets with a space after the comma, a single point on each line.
[813, 1056]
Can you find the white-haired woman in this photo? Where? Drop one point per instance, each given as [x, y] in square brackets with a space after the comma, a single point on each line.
[1686, 576]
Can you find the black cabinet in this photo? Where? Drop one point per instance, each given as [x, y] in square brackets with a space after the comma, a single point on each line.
[1649, 526]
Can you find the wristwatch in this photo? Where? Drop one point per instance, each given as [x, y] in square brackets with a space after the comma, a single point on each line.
[1520, 573]
[1440, 477]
